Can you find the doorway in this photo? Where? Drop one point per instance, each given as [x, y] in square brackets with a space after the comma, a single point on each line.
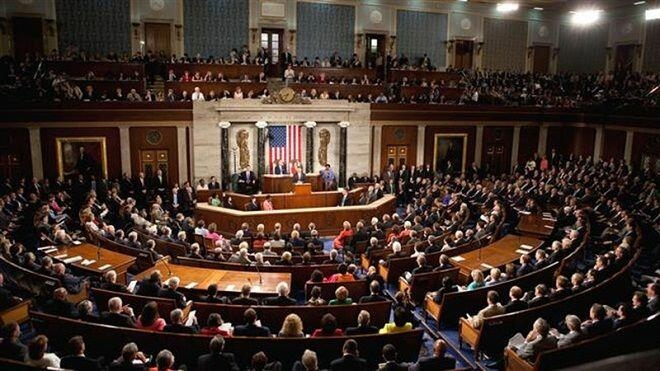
[272, 39]
[157, 38]
[153, 160]
[28, 36]
[541, 61]
[375, 47]
[624, 58]
[464, 53]
[397, 156]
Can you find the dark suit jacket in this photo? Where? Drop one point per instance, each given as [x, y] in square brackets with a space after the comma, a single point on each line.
[173, 294]
[179, 329]
[393, 366]
[279, 301]
[436, 363]
[347, 202]
[251, 330]
[244, 301]
[16, 351]
[113, 287]
[148, 288]
[117, 319]
[61, 308]
[372, 299]
[348, 363]
[243, 176]
[279, 170]
[80, 363]
[361, 330]
[211, 362]
[515, 305]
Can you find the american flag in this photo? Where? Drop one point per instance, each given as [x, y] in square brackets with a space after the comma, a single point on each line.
[285, 144]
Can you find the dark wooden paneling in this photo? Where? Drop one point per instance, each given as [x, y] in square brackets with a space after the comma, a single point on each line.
[529, 143]
[337, 73]
[614, 144]
[429, 141]
[15, 154]
[499, 140]
[580, 141]
[645, 144]
[230, 71]
[399, 136]
[158, 37]
[98, 111]
[169, 142]
[49, 148]
[28, 36]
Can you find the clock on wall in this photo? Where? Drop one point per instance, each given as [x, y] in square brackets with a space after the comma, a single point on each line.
[157, 5]
[287, 94]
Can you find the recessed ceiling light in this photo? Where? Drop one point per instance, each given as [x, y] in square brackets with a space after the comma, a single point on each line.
[653, 14]
[538, 8]
[586, 17]
[639, 2]
[507, 7]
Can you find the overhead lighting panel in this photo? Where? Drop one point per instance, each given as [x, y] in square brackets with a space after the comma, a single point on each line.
[586, 17]
[653, 14]
[507, 7]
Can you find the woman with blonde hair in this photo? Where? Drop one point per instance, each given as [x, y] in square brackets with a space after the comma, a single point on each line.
[292, 327]
[477, 280]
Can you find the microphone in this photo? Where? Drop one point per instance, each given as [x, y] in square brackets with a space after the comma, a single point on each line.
[98, 254]
[259, 273]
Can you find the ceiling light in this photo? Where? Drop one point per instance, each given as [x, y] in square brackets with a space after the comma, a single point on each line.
[653, 14]
[639, 2]
[507, 7]
[586, 17]
[538, 8]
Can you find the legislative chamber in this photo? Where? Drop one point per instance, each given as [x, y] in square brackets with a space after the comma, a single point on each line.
[329, 185]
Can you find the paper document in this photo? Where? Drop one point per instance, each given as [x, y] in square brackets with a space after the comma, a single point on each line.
[230, 287]
[516, 341]
[458, 258]
[550, 219]
[74, 259]
[50, 251]
[60, 256]
[526, 247]
[88, 262]
[522, 252]
[191, 318]
[104, 267]
[76, 243]
[46, 248]
[191, 285]
[487, 266]
[131, 286]
[549, 226]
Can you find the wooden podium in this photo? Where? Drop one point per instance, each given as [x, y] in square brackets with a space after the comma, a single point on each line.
[302, 189]
[272, 183]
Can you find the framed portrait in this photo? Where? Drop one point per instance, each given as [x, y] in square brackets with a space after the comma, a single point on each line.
[449, 152]
[81, 155]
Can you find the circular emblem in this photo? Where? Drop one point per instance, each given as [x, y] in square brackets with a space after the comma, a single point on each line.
[399, 134]
[287, 94]
[154, 137]
[466, 23]
[157, 5]
[544, 31]
[626, 28]
[375, 16]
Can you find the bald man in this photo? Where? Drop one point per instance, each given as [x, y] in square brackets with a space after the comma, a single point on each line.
[439, 360]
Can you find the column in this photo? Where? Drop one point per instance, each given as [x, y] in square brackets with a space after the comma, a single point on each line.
[35, 148]
[598, 145]
[261, 147]
[375, 150]
[421, 135]
[478, 146]
[125, 146]
[543, 140]
[343, 141]
[182, 153]
[627, 152]
[309, 146]
[225, 175]
[515, 146]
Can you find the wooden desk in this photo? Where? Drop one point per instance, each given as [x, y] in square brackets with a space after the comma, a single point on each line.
[496, 254]
[287, 200]
[117, 261]
[300, 189]
[217, 87]
[283, 184]
[328, 220]
[535, 225]
[344, 89]
[337, 73]
[228, 281]
[230, 71]
[396, 75]
[100, 69]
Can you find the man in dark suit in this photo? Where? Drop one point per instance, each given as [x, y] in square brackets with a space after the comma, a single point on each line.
[150, 286]
[171, 292]
[516, 303]
[364, 324]
[176, 324]
[244, 298]
[279, 168]
[375, 296]
[439, 361]
[247, 180]
[250, 328]
[540, 296]
[140, 189]
[110, 282]
[11, 346]
[158, 184]
[59, 305]
[349, 360]
[118, 314]
[345, 200]
[282, 299]
[216, 359]
[389, 355]
[253, 205]
[214, 184]
[77, 359]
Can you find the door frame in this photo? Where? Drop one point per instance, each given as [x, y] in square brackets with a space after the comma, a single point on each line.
[455, 47]
[549, 46]
[143, 36]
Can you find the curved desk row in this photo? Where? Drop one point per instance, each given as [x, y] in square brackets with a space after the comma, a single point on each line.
[328, 219]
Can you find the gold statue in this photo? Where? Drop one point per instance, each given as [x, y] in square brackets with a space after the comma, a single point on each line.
[324, 140]
[242, 138]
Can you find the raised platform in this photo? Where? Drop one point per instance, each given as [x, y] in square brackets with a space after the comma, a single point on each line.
[328, 219]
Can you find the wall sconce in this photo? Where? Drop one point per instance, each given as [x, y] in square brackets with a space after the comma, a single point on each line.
[178, 27]
[292, 36]
[530, 51]
[555, 53]
[50, 27]
[261, 124]
[254, 34]
[360, 39]
[392, 41]
[310, 124]
[343, 124]
[480, 46]
[449, 44]
[136, 30]
[224, 124]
